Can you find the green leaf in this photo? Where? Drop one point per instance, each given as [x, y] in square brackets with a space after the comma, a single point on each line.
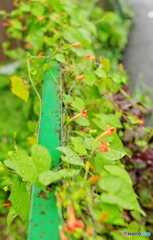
[82, 121]
[25, 167]
[17, 24]
[116, 78]
[100, 73]
[70, 156]
[49, 177]
[106, 65]
[109, 119]
[47, 66]
[120, 192]
[77, 35]
[98, 163]
[90, 78]
[38, 11]
[133, 226]
[67, 98]
[78, 104]
[141, 143]
[25, 7]
[114, 214]
[118, 171]
[10, 217]
[20, 199]
[79, 148]
[30, 167]
[60, 58]
[136, 215]
[20, 88]
[8, 163]
[41, 158]
[89, 143]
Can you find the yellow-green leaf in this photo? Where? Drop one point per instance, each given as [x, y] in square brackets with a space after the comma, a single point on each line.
[20, 88]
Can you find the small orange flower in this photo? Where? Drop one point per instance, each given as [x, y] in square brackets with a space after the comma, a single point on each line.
[104, 147]
[15, 4]
[89, 166]
[94, 179]
[121, 66]
[90, 57]
[8, 23]
[81, 114]
[109, 131]
[84, 130]
[75, 2]
[28, 45]
[103, 217]
[57, 17]
[140, 121]
[7, 204]
[40, 19]
[77, 44]
[72, 223]
[21, 18]
[80, 78]
[24, 28]
[90, 230]
[40, 54]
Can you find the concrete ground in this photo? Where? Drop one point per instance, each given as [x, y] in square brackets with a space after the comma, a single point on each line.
[138, 56]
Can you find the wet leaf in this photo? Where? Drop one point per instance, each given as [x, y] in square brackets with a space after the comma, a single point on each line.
[119, 192]
[118, 171]
[10, 217]
[70, 156]
[49, 177]
[20, 198]
[41, 158]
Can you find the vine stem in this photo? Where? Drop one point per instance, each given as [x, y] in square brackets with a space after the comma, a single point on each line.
[32, 83]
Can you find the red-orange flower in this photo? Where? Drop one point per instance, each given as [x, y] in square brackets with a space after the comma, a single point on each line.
[104, 147]
[89, 166]
[24, 28]
[77, 44]
[8, 23]
[40, 19]
[7, 204]
[72, 223]
[84, 130]
[109, 131]
[121, 66]
[15, 4]
[57, 17]
[81, 114]
[89, 57]
[21, 18]
[90, 230]
[94, 179]
[103, 217]
[80, 78]
[140, 121]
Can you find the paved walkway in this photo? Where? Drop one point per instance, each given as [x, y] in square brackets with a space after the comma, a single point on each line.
[138, 56]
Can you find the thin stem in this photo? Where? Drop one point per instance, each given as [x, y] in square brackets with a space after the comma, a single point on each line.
[28, 63]
[32, 83]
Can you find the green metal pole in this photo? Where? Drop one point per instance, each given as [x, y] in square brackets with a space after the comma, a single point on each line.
[44, 216]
